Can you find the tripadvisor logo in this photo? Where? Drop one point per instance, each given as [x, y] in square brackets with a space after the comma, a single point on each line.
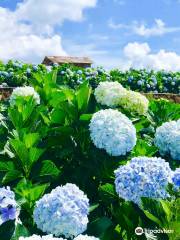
[139, 231]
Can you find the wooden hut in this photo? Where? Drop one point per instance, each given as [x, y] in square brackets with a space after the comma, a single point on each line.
[83, 62]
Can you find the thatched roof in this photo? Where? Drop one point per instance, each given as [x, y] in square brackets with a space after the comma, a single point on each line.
[49, 60]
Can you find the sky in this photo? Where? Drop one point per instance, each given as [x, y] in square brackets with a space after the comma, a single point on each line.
[113, 33]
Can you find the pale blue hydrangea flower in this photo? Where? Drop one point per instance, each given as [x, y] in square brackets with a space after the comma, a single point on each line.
[143, 177]
[85, 237]
[113, 131]
[37, 237]
[167, 139]
[176, 178]
[24, 92]
[63, 212]
[9, 209]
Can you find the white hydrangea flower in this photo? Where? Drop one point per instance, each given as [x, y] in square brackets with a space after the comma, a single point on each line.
[167, 139]
[113, 131]
[24, 92]
[85, 237]
[135, 102]
[63, 212]
[109, 93]
[37, 237]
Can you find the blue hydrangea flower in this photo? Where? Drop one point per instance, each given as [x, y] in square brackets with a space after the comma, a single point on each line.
[113, 131]
[143, 177]
[167, 139]
[79, 72]
[62, 72]
[35, 67]
[28, 70]
[140, 83]
[176, 178]
[63, 212]
[85, 237]
[9, 209]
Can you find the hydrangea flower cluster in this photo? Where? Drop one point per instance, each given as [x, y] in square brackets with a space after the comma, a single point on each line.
[63, 212]
[113, 131]
[143, 177]
[113, 94]
[176, 178]
[24, 92]
[167, 139]
[9, 209]
[109, 93]
[37, 237]
[85, 237]
[135, 102]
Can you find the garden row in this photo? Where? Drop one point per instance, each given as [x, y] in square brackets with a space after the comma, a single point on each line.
[16, 73]
[87, 163]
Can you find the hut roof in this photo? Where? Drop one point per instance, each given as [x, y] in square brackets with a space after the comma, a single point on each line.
[66, 59]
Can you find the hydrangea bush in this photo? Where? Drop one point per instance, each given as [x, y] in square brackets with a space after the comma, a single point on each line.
[113, 131]
[167, 139]
[64, 211]
[68, 136]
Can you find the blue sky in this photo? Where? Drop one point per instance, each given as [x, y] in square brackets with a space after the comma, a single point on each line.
[107, 31]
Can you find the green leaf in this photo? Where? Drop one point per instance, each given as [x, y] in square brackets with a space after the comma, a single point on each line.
[57, 97]
[20, 231]
[85, 117]
[11, 176]
[15, 117]
[49, 169]
[34, 154]
[99, 226]
[57, 116]
[83, 96]
[6, 166]
[29, 191]
[107, 193]
[93, 207]
[20, 150]
[31, 139]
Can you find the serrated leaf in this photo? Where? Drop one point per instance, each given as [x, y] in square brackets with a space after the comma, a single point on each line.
[11, 176]
[49, 169]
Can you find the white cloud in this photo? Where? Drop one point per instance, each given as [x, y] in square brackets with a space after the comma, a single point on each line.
[139, 55]
[159, 28]
[28, 32]
[47, 13]
[19, 42]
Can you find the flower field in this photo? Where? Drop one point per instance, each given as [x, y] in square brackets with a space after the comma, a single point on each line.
[85, 156]
[16, 73]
